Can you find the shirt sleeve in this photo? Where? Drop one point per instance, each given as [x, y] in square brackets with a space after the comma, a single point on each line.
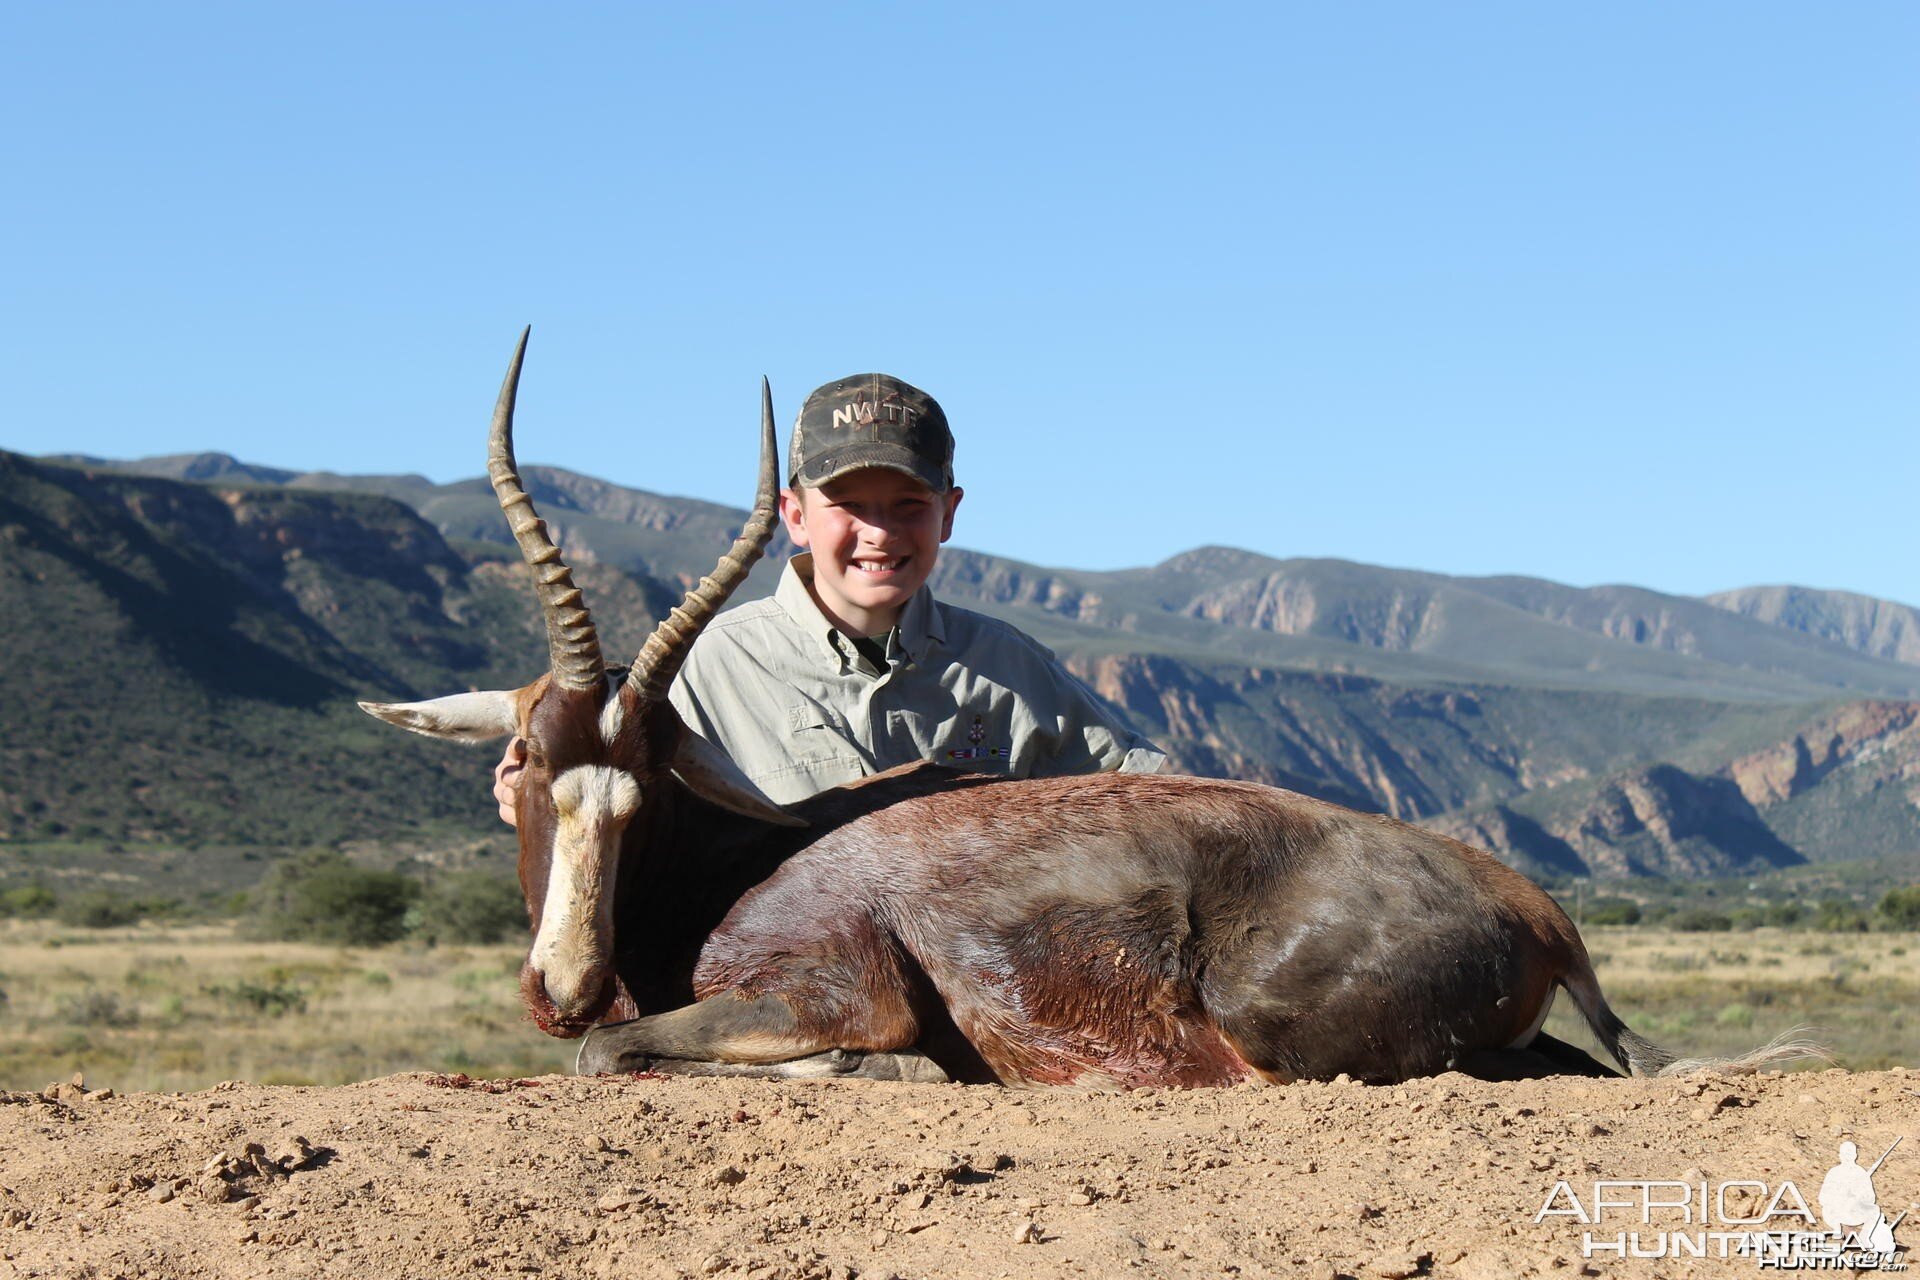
[1092, 738]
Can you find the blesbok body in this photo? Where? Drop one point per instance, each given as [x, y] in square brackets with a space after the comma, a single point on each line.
[1109, 929]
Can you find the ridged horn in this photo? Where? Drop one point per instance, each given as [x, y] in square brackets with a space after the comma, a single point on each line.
[573, 647]
[660, 657]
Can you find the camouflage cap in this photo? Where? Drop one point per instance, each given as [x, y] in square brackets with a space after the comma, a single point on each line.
[871, 420]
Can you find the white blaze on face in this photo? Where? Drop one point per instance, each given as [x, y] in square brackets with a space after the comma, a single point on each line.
[592, 804]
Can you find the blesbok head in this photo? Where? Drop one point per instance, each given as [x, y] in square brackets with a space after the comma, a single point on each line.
[601, 741]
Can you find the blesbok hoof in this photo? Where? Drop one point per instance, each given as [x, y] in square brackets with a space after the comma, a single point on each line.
[604, 1051]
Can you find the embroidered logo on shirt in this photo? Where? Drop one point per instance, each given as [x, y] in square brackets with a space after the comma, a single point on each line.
[978, 735]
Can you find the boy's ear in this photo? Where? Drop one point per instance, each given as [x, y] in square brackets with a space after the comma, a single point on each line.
[953, 504]
[793, 514]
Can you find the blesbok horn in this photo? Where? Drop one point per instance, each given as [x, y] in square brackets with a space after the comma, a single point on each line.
[660, 657]
[573, 646]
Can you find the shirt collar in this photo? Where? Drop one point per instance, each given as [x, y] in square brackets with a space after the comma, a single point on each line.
[921, 624]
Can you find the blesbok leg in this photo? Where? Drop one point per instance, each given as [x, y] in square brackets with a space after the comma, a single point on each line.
[727, 1035]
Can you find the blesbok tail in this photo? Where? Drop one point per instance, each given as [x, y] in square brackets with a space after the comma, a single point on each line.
[1642, 1057]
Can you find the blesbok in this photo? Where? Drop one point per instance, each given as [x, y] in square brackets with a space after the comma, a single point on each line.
[1115, 929]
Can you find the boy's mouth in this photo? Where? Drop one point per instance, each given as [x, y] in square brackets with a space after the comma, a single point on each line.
[881, 566]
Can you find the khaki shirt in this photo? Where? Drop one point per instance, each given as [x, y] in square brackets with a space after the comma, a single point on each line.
[800, 709]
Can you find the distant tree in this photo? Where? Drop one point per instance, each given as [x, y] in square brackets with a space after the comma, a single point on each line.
[1786, 914]
[97, 909]
[28, 901]
[1611, 911]
[1836, 915]
[1699, 920]
[470, 907]
[319, 896]
[1900, 909]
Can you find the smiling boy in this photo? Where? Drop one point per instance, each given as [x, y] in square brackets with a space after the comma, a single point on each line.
[852, 666]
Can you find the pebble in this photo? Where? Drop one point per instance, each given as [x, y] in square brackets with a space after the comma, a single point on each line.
[1306, 1166]
[162, 1193]
[729, 1176]
[1398, 1267]
[1080, 1198]
[596, 1143]
[1027, 1233]
[877, 1238]
[714, 1263]
[948, 1164]
[1363, 1211]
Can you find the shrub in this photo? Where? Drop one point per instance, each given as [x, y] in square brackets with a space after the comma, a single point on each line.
[470, 907]
[97, 909]
[1612, 911]
[1900, 909]
[1699, 920]
[274, 1000]
[1786, 914]
[321, 897]
[28, 900]
[94, 1008]
[1837, 916]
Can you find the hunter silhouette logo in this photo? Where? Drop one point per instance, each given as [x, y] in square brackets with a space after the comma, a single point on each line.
[978, 735]
[1775, 1225]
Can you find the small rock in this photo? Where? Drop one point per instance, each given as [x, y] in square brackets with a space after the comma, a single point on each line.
[1397, 1267]
[215, 1190]
[162, 1193]
[1589, 1129]
[948, 1164]
[1363, 1211]
[1540, 1164]
[245, 1203]
[876, 1238]
[1027, 1233]
[1080, 1198]
[1700, 1113]
[596, 1143]
[615, 1201]
[1023, 1116]
[713, 1264]
[1306, 1166]
[728, 1176]
[101, 1095]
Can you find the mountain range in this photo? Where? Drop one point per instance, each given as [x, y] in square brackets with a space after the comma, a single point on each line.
[187, 634]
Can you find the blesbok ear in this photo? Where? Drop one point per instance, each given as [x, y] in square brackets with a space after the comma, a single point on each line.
[458, 717]
[710, 774]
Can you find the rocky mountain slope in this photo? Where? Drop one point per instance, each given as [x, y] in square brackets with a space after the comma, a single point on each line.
[235, 611]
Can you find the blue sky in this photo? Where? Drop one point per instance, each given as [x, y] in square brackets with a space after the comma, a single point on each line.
[1595, 293]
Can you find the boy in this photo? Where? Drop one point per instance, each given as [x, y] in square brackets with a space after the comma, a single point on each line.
[852, 666]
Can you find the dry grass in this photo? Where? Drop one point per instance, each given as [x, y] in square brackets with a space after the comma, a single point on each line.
[1717, 994]
[157, 1007]
[153, 1007]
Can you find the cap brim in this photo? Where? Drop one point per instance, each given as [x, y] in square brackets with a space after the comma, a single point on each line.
[857, 457]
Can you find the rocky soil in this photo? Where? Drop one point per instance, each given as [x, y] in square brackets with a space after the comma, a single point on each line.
[423, 1176]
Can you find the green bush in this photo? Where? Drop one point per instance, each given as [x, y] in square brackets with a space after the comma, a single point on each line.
[1900, 909]
[1836, 916]
[255, 997]
[1699, 920]
[95, 1008]
[1612, 911]
[97, 909]
[28, 900]
[321, 897]
[470, 907]
[1786, 914]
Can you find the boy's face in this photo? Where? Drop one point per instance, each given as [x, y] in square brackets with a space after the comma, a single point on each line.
[874, 534]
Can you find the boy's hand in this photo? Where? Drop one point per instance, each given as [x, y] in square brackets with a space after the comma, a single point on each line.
[505, 775]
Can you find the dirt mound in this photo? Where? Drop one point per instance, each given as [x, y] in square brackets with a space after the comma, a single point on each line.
[421, 1176]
